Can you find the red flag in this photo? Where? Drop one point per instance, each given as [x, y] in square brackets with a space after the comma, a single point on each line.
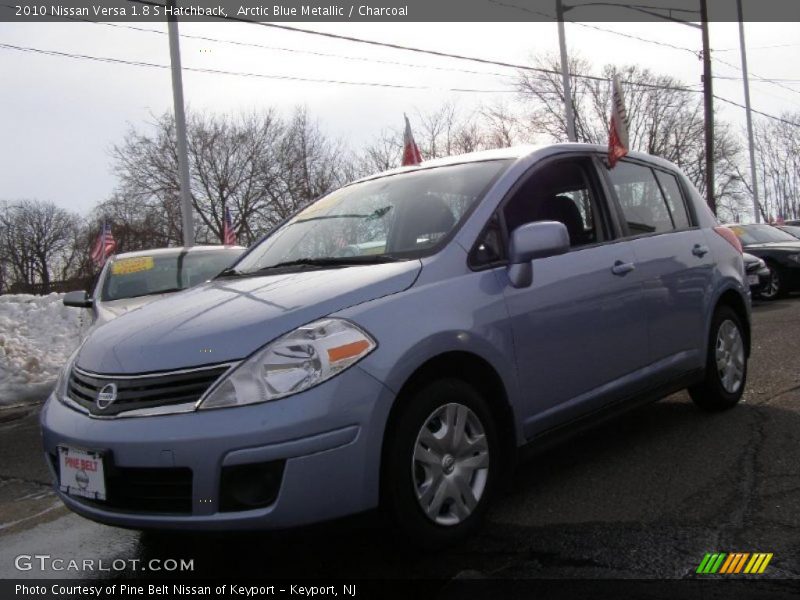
[411, 155]
[228, 234]
[618, 128]
[104, 246]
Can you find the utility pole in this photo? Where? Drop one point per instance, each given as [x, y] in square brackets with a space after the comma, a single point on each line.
[180, 126]
[562, 42]
[751, 144]
[708, 98]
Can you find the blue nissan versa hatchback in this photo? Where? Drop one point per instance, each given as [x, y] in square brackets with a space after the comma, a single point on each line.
[397, 342]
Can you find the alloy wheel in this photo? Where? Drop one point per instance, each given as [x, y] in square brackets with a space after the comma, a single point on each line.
[730, 356]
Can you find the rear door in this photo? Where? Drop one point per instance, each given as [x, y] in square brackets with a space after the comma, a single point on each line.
[673, 261]
[579, 330]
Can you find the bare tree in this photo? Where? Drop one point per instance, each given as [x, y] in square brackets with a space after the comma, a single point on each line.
[778, 166]
[36, 243]
[666, 118]
[261, 167]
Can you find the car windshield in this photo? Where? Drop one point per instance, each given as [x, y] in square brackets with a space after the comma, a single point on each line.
[407, 215]
[130, 277]
[761, 234]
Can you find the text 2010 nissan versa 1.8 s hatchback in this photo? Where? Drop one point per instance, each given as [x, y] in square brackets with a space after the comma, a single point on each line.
[395, 343]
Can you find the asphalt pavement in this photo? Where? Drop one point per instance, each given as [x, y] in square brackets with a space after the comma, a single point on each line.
[644, 496]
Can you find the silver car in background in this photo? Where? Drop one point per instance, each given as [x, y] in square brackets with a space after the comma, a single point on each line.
[133, 279]
[398, 342]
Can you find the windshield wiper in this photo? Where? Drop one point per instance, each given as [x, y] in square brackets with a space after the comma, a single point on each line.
[335, 261]
[329, 261]
[228, 272]
[164, 291]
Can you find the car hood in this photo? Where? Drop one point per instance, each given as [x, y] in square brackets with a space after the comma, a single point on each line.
[780, 246]
[228, 319]
[111, 309]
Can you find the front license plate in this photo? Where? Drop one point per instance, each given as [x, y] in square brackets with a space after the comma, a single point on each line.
[81, 473]
[752, 279]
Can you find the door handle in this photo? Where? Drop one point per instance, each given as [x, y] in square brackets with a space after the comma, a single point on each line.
[700, 251]
[621, 268]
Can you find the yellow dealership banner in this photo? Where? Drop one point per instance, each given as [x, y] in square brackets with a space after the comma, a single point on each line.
[126, 266]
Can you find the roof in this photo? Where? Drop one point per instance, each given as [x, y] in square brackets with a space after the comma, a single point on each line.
[515, 153]
[174, 251]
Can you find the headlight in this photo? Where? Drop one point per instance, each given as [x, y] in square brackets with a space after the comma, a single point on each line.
[63, 376]
[293, 363]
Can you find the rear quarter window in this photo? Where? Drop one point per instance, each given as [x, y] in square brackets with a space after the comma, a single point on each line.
[674, 197]
[640, 196]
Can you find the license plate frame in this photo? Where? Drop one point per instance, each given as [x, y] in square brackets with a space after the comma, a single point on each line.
[752, 280]
[82, 472]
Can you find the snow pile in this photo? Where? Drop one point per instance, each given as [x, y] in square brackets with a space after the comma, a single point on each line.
[37, 335]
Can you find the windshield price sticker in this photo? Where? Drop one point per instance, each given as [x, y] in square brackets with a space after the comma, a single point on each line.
[127, 266]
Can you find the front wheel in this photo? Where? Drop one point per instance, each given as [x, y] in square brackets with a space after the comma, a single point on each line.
[441, 464]
[726, 363]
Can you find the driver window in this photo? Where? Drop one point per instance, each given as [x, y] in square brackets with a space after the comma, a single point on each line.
[559, 192]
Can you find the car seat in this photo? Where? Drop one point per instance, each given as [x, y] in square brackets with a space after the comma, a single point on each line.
[423, 216]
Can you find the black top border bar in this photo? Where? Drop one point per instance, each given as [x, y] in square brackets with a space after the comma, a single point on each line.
[586, 11]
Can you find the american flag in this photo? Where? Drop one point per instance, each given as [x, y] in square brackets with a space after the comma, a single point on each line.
[228, 234]
[618, 127]
[411, 154]
[104, 246]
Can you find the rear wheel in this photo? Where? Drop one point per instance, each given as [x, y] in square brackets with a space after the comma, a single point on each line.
[726, 363]
[441, 463]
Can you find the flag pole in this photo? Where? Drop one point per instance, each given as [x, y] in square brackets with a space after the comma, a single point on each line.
[180, 125]
[562, 43]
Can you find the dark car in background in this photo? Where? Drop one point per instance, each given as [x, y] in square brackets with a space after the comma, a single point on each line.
[758, 275]
[793, 230]
[779, 250]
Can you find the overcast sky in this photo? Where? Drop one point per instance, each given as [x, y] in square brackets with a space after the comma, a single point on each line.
[60, 116]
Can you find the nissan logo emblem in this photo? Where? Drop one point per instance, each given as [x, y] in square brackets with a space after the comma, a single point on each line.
[106, 396]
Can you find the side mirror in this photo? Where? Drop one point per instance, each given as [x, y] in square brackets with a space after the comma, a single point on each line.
[530, 241]
[78, 300]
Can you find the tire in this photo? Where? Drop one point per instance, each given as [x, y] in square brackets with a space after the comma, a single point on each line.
[436, 486]
[726, 364]
[774, 288]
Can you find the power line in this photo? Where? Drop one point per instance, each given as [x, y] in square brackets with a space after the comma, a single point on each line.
[439, 53]
[299, 51]
[365, 83]
[595, 27]
[759, 47]
[763, 114]
[764, 79]
[138, 63]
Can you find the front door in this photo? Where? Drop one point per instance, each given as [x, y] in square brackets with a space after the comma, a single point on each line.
[580, 329]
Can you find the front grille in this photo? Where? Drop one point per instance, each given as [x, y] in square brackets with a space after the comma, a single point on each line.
[140, 392]
[139, 489]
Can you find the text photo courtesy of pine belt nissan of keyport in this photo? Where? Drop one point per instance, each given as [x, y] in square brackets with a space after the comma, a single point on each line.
[396, 343]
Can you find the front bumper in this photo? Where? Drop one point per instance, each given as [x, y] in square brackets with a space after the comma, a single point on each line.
[330, 438]
[763, 275]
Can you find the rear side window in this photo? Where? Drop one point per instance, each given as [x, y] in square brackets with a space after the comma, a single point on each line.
[641, 200]
[675, 203]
